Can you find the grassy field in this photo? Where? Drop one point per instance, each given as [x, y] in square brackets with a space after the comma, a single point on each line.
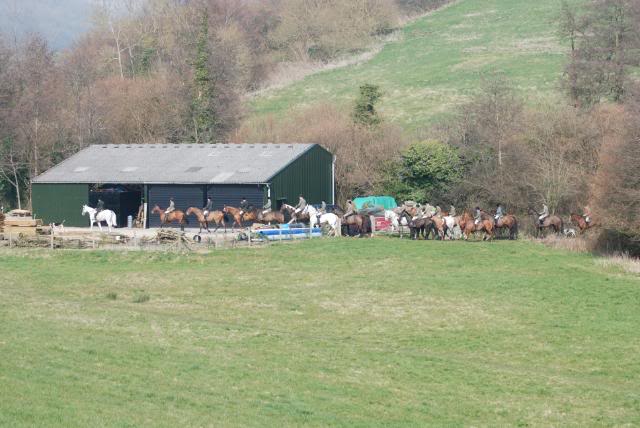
[376, 332]
[440, 59]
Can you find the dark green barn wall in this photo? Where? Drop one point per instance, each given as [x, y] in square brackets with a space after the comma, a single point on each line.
[310, 175]
[60, 202]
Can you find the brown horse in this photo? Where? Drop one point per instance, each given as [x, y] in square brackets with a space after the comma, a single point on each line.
[509, 222]
[216, 217]
[177, 216]
[256, 216]
[439, 226]
[582, 224]
[551, 222]
[301, 217]
[468, 225]
[362, 223]
[419, 226]
[270, 217]
[235, 214]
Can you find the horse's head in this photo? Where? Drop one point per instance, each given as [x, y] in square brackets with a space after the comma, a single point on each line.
[190, 210]
[84, 209]
[156, 209]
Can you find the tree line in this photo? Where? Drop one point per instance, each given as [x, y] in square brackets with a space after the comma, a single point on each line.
[165, 70]
[178, 72]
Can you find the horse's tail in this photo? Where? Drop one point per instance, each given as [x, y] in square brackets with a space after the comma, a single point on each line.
[561, 226]
[114, 219]
[515, 227]
[186, 219]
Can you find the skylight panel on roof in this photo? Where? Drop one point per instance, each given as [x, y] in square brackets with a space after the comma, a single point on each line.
[193, 169]
[223, 176]
[266, 154]
[81, 169]
[129, 169]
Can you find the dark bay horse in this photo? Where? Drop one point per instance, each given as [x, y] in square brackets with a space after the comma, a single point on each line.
[216, 217]
[510, 223]
[301, 217]
[419, 226]
[176, 215]
[553, 222]
[361, 222]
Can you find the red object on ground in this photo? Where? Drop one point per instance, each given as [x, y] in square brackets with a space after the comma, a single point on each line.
[382, 224]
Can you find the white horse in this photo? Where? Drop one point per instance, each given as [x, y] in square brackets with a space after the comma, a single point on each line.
[309, 209]
[107, 216]
[453, 230]
[329, 218]
[396, 220]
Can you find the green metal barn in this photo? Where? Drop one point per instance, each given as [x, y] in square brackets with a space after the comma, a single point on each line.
[127, 177]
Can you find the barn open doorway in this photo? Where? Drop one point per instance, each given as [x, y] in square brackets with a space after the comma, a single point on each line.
[123, 199]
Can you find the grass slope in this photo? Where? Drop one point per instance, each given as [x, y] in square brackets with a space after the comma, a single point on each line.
[440, 60]
[335, 332]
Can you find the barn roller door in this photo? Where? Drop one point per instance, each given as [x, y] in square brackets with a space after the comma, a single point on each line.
[231, 194]
[184, 196]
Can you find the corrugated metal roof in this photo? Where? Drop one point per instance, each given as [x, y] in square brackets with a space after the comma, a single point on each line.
[175, 163]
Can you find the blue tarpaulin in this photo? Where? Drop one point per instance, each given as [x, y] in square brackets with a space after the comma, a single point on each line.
[386, 202]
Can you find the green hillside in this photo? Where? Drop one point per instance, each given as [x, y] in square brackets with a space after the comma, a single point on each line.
[440, 59]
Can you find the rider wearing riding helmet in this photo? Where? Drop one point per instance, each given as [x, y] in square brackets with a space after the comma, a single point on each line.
[323, 207]
[244, 205]
[499, 213]
[266, 207]
[351, 209]
[587, 214]
[172, 206]
[302, 204]
[477, 216]
[208, 207]
[544, 214]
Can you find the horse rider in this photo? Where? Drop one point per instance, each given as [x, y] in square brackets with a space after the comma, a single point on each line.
[429, 210]
[171, 208]
[587, 214]
[452, 211]
[208, 207]
[477, 217]
[244, 206]
[351, 209]
[266, 208]
[323, 207]
[544, 214]
[438, 211]
[302, 205]
[99, 206]
[499, 213]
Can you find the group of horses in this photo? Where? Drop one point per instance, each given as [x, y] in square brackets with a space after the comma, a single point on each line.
[238, 217]
[444, 226]
[441, 225]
